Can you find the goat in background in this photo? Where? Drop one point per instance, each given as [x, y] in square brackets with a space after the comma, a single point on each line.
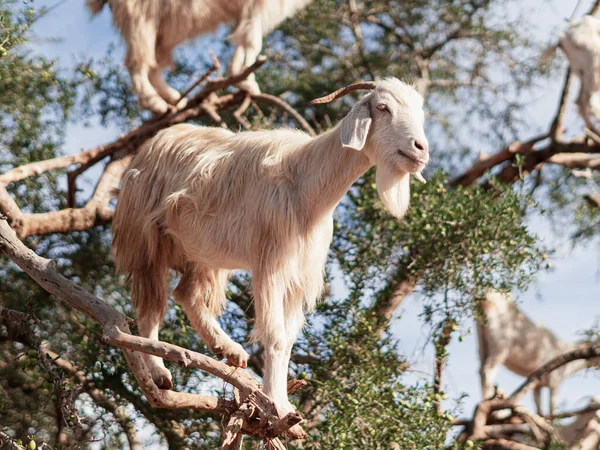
[508, 337]
[580, 43]
[153, 28]
[205, 201]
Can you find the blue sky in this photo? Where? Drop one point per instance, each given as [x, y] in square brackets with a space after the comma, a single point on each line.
[565, 300]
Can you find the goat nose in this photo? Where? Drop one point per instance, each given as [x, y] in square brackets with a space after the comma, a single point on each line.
[420, 145]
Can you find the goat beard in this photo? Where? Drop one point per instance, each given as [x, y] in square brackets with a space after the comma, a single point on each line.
[393, 188]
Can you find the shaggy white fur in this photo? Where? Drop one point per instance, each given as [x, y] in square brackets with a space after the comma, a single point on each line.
[204, 201]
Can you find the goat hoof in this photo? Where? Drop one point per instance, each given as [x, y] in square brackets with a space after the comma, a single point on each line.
[162, 378]
[180, 103]
[163, 382]
[156, 105]
[235, 354]
[249, 86]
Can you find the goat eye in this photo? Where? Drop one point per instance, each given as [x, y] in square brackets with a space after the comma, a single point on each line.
[383, 107]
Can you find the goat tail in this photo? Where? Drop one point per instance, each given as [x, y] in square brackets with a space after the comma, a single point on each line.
[140, 251]
[149, 293]
[95, 6]
[547, 56]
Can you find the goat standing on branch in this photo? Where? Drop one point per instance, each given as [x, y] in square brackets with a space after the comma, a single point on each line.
[205, 201]
[510, 338]
[580, 43]
[153, 28]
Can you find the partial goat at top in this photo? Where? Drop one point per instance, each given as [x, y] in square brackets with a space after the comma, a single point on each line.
[153, 28]
[509, 338]
[580, 42]
[205, 201]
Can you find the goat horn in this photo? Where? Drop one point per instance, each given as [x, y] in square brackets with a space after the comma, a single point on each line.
[343, 91]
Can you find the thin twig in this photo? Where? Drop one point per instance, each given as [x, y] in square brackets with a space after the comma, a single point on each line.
[215, 67]
[281, 104]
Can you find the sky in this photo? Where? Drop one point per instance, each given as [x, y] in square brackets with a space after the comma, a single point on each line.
[566, 300]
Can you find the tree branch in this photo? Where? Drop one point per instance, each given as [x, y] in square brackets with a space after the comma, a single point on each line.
[587, 352]
[556, 129]
[96, 210]
[116, 332]
[441, 358]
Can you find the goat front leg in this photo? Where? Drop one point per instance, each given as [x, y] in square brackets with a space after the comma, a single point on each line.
[248, 40]
[164, 60]
[201, 292]
[585, 107]
[270, 330]
[149, 298]
[140, 59]
[553, 393]
[488, 372]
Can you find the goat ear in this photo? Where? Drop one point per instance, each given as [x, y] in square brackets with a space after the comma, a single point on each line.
[355, 126]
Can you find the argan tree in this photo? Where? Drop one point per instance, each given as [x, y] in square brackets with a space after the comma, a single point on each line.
[71, 373]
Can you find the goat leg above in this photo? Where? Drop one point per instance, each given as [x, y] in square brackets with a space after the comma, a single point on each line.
[152, 29]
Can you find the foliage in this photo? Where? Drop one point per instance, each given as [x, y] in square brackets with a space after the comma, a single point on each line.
[454, 243]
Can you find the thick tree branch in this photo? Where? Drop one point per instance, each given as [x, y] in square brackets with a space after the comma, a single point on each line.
[95, 212]
[508, 445]
[485, 164]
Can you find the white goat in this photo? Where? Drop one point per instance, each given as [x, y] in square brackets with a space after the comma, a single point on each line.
[153, 28]
[508, 337]
[580, 42]
[204, 201]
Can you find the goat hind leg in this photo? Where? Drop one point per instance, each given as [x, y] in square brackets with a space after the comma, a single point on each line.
[170, 95]
[294, 321]
[149, 297]
[201, 292]
[586, 109]
[488, 372]
[537, 398]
